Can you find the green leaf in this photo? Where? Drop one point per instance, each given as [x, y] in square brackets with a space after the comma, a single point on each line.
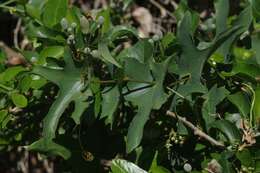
[71, 85]
[96, 90]
[244, 63]
[155, 168]
[49, 147]
[256, 8]
[19, 100]
[34, 8]
[109, 104]
[168, 39]
[44, 33]
[192, 59]
[51, 52]
[107, 21]
[121, 31]
[256, 48]
[251, 70]
[127, 3]
[225, 163]
[142, 51]
[243, 22]
[11, 73]
[106, 55]
[256, 108]
[228, 129]
[37, 82]
[242, 102]
[213, 98]
[3, 114]
[80, 106]
[54, 11]
[6, 120]
[145, 99]
[222, 12]
[245, 157]
[123, 166]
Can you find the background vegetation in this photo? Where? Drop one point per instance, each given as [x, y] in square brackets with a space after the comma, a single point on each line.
[130, 86]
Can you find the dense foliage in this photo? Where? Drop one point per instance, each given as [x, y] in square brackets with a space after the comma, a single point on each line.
[92, 90]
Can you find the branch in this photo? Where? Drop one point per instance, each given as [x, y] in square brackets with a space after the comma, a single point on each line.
[196, 130]
[13, 57]
[162, 9]
[16, 33]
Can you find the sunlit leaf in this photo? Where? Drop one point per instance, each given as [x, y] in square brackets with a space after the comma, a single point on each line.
[123, 166]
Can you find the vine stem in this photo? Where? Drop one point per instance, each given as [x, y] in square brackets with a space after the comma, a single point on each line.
[196, 130]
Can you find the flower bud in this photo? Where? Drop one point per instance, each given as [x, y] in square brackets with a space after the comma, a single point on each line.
[160, 34]
[64, 23]
[101, 20]
[69, 30]
[71, 40]
[87, 50]
[95, 53]
[71, 37]
[73, 25]
[84, 24]
[156, 38]
[33, 59]
[151, 41]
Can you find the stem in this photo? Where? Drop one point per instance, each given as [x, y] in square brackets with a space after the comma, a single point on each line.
[138, 81]
[11, 9]
[175, 92]
[196, 130]
[126, 79]
[16, 34]
[8, 2]
[136, 89]
[6, 87]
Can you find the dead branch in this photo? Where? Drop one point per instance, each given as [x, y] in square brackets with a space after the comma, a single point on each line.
[13, 57]
[196, 130]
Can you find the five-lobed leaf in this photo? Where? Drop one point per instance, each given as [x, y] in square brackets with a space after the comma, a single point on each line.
[145, 99]
[71, 89]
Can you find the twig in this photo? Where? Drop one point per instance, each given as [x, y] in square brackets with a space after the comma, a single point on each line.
[196, 130]
[161, 8]
[174, 4]
[11, 9]
[16, 33]
[175, 92]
